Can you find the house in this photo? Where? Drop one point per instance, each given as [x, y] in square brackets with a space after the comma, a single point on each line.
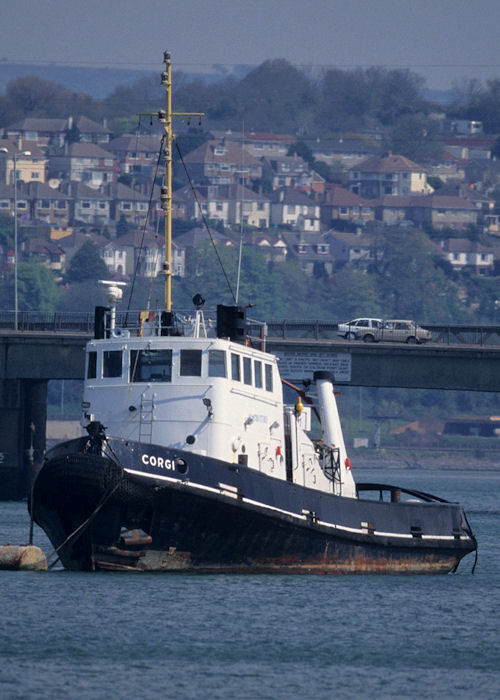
[30, 161]
[359, 249]
[293, 208]
[441, 212]
[55, 133]
[88, 131]
[248, 207]
[90, 206]
[447, 167]
[72, 243]
[130, 203]
[198, 236]
[388, 174]
[259, 144]
[267, 145]
[45, 251]
[463, 253]
[274, 248]
[223, 163]
[84, 162]
[312, 252]
[392, 208]
[339, 204]
[197, 206]
[470, 147]
[287, 171]
[115, 255]
[23, 201]
[49, 205]
[142, 254]
[44, 132]
[484, 203]
[433, 210]
[135, 153]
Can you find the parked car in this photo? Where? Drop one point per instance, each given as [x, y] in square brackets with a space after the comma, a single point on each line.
[396, 330]
[357, 327]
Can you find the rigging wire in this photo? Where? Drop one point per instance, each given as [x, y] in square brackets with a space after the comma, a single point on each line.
[242, 187]
[195, 194]
[138, 262]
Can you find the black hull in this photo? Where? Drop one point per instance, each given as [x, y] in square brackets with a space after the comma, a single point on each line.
[154, 508]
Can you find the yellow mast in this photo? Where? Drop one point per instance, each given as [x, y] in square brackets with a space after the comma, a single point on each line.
[166, 190]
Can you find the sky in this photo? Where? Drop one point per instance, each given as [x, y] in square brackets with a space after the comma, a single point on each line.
[442, 40]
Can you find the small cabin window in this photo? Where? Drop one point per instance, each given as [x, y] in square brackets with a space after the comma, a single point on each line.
[151, 366]
[247, 370]
[235, 367]
[269, 377]
[112, 363]
[216, 363]
[92, 365]
[257, 373]
[190, 363]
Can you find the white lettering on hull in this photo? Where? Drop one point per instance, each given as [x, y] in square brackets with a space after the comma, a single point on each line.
[159, 462]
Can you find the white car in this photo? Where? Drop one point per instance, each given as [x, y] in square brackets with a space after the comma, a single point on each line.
[358, 327]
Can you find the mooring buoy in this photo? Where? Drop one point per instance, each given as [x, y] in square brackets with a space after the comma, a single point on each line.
[22, 557]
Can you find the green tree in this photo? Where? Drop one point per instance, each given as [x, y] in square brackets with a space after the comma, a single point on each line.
[351, 293]
[36, 287]
[122, 227]
[259, 285]
[86, 264]
[409, 284]
[6, 230]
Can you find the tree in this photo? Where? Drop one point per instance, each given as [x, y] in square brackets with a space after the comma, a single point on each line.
[275, 95]
[214, 276]
[122, 227]
[6, 230]
[86, 264]
[36, 287]
[408, 283]
[351, 293]
[416, 137]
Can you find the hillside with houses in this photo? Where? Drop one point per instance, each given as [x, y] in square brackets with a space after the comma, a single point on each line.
[335, 211]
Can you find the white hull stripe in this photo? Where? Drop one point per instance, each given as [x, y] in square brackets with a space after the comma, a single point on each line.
[345, 528]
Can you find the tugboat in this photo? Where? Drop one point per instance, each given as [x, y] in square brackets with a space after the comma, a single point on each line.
[193, 462]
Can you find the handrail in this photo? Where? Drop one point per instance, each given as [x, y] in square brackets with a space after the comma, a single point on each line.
[396, 492]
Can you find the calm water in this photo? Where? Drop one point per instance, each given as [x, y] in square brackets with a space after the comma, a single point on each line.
[144, 635]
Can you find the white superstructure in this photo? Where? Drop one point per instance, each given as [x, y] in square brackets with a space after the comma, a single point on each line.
[215, 398]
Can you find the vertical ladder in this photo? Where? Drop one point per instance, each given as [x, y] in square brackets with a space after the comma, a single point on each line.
[146, 419]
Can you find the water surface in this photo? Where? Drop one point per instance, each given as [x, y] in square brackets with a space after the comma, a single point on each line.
[148, 635]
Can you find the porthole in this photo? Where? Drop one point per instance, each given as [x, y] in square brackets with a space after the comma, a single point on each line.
[181, 465]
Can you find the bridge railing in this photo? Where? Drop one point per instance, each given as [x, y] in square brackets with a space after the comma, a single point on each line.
[83, 322]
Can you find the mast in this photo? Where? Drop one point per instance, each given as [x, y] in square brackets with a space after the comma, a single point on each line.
[165, 118]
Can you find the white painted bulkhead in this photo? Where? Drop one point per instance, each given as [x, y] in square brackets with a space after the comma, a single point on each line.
[212, 397]
[236, 417]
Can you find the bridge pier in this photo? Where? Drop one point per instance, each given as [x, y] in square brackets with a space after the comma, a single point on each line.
[23, 417]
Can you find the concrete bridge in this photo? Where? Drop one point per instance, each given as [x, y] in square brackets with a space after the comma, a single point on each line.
[460, 358]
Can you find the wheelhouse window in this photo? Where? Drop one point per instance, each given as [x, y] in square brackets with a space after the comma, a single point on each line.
[269, 377]
[257, 373]
[112, 363]
[216, 363]
[151, 366]
[190, 363]
[235, 367]
[92, 365]
[247, 370]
